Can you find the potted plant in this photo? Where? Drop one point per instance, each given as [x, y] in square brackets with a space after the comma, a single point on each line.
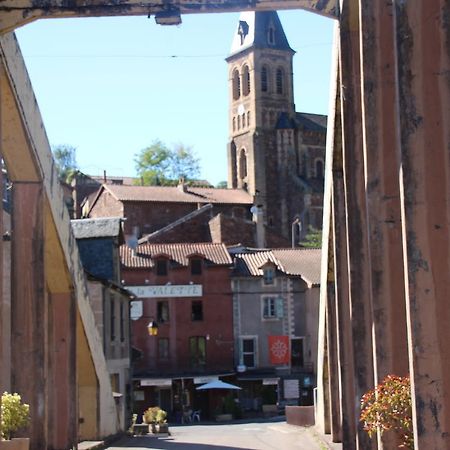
[388, 408]
[14, 415]
[161, 421]
[156, 417]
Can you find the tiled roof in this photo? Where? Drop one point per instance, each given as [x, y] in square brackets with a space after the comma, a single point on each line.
[178, 195]
[97, 228]
[311, 122]
[253, 29]
[145, 254]
[302, 262]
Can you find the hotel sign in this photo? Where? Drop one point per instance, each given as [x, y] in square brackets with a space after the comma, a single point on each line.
[167, 290]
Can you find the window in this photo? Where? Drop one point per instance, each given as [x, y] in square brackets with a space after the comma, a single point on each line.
[112, 313]
[197, 351]
[239, 122]
[234, 123]
[163, 348]
[162, 311]
[248, 356]
[161, 267]
[122, 322]
[197, 310]
[272, 307]
[297, 359]
[268, 275]
[319, 168]
[248, 118]
[242, 164]
[271, 35]
[280, 81]
[196, 266]
[246, 80]
[236, 85]
[264, 77]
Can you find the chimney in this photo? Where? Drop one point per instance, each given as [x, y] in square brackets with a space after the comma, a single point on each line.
[181, 185]
[258, 218]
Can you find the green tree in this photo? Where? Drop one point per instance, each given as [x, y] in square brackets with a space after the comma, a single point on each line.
[161, 165]
[313, 238]
[222, 185]
[183, 163]
[65, 160]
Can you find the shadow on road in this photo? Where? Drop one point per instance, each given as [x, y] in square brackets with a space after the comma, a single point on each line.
[166, 443]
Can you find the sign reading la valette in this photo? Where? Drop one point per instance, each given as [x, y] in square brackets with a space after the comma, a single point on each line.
[167, 290]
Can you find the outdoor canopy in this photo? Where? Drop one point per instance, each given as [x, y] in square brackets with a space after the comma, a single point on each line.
[217, 384]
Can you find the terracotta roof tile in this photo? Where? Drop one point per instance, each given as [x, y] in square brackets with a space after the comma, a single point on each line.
[176, 194]
[145, 253]
[302, 262]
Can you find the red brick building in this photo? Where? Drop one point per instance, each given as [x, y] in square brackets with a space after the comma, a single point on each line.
[186, 289]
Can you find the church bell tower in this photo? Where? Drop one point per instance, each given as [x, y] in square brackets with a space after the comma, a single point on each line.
[260, 86]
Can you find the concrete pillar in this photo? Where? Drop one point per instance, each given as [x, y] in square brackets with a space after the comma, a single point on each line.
[63, 401]
[358, 271]
[423, 49]
[381, 157]
[28, 308]
[343, 329]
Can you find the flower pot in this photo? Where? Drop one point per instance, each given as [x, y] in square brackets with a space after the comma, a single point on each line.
[162, 428]
[15, 444]
[224, 417]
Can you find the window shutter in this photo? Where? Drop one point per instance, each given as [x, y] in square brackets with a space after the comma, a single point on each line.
[280, 307]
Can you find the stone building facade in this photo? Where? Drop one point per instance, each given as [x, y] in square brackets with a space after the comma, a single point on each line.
[275, 153]
[275, 317]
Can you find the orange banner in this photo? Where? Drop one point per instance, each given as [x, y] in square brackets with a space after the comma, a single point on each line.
[279, 349]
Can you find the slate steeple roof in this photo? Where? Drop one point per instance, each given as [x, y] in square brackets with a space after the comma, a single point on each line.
[259, 29]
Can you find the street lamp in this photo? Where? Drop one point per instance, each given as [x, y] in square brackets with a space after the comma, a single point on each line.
[152, 328]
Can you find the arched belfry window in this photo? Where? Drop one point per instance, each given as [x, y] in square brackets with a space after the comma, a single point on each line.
[236, 85]
[280, 80]
[264, 79]
[246, 80]
[242, 164]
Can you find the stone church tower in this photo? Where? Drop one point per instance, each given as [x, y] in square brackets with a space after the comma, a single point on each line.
[274, 153]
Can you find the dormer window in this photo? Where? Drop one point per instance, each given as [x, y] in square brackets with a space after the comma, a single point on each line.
[271, 35]
[269, 275]
[161, 267]
[196, 266]
[242, 30]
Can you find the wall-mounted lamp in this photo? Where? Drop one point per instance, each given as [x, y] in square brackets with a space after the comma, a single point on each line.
[152, 328]
[169, 16]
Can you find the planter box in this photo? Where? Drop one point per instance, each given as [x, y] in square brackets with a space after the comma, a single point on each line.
[270, 409]
[224, 417]
[15, 444]
[300, 415]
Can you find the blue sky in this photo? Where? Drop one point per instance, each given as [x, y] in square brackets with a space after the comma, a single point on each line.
[111, 86]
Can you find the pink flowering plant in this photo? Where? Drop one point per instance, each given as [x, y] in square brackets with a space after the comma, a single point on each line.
[388, 408]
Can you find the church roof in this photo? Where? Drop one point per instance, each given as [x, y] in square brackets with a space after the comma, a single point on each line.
[311, 122]
[178, 195]
[254, 30]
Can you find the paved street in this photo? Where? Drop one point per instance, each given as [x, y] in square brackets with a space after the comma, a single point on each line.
[273, 435]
